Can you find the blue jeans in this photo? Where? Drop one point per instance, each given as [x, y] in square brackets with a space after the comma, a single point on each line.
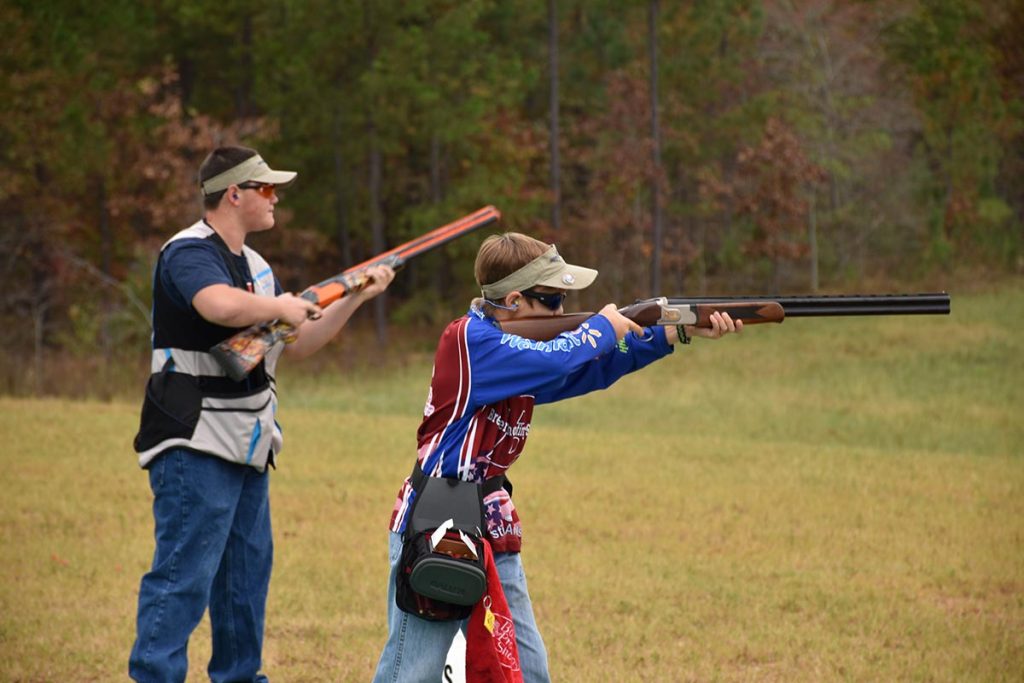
[417, 648]
[213, 549]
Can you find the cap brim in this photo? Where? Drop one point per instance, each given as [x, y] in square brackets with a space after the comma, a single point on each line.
[570, 277]
[547, 270]
[269, 175]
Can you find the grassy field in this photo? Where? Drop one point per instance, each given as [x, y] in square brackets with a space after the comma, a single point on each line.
[836, 499]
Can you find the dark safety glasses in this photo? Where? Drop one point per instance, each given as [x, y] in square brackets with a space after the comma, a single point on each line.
[551, 300]
[266, 190]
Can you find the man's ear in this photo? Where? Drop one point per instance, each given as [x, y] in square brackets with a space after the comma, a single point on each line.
[512, 299]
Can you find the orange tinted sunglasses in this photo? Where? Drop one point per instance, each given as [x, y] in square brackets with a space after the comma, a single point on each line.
[266, 190]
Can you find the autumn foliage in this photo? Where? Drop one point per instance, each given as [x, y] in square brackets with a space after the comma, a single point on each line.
[802, 145]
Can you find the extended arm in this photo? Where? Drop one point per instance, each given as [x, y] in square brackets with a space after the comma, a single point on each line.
[316, 333]
[506, 365]
[640, 351]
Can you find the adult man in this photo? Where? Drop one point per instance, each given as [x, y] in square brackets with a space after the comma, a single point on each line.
[206, 439]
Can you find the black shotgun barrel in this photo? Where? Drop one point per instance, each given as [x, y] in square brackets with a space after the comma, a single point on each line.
[930, 303]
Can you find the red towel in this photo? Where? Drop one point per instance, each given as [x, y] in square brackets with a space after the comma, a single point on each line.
[491, 652]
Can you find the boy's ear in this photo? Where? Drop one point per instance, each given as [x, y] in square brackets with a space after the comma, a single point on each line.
[512, 299]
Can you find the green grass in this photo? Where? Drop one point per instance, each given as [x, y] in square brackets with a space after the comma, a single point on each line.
[835, 499]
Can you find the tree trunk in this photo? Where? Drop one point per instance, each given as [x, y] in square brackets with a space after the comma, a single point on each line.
[243, 91]
[812, 241]
[186, 81]
[377, 230]
[106, 266]
[442, 274]
[656, 237]
[435, 169]
[556, 173]
[38, 327]
[341, 223]
[376, 211]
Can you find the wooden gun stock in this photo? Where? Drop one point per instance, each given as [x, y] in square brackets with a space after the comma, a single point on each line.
[648, 313]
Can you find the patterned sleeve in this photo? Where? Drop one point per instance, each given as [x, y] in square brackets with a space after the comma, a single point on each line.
[630, 355]
[506, 365]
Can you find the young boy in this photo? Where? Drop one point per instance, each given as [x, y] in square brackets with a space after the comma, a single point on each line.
[477, 417]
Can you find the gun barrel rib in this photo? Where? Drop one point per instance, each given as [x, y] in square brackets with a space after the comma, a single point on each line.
[932, 303]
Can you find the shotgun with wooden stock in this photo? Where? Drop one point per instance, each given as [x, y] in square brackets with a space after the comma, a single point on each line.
[752, 310]
[238, 355]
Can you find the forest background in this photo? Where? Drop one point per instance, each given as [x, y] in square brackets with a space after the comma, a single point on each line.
[680, 147]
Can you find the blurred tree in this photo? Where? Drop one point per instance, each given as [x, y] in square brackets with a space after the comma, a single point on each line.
[946, 50]
[713, 104]
[825, 61]
[64, 75]
[775, 179]
[403, 115]
[1007, 20]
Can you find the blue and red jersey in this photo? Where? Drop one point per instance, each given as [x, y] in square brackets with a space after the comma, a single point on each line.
[484, 386]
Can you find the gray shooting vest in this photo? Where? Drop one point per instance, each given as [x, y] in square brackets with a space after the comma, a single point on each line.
[190, 402]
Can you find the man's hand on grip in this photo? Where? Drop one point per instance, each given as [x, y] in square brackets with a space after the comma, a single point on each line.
[380, 277]
[295, 310]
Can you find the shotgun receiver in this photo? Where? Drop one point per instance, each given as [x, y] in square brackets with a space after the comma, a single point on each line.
[238, 355]
[751, 310]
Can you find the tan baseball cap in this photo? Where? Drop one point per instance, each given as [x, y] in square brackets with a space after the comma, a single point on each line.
[252, 170]
[547, 270]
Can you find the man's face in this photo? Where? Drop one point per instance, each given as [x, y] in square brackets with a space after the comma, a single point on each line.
[256, 203]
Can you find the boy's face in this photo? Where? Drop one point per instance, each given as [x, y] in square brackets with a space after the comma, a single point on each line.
[540, 301]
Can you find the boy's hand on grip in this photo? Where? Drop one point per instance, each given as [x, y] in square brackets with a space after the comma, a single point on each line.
[620, 323]
[721, 325]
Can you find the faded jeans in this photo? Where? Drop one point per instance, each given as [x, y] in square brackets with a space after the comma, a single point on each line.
[416, 648]
[213, 549]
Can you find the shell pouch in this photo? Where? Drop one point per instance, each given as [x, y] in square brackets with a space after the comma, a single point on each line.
[441, 572]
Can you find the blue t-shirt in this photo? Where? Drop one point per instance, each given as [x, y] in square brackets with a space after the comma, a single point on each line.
[190, 265]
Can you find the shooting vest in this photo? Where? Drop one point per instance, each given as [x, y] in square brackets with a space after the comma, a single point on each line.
[190, 402]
